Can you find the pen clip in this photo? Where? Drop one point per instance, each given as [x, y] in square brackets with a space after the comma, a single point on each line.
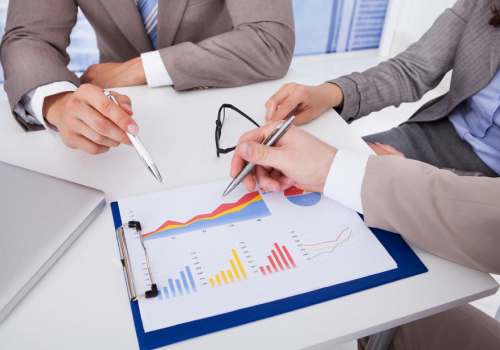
[273, 132]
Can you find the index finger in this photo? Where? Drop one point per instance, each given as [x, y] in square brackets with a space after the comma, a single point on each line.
[257, 135]
[109, 109]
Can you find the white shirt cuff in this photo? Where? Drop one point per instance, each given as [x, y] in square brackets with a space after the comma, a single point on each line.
[345, 178]
[156, 73]
[45, 91]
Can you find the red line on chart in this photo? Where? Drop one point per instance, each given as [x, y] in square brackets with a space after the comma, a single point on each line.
[308, 245]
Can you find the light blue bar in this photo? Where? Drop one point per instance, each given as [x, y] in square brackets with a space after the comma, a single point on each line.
[159, 295]
[191, 280]
[179, 287]
[172, 288]
[165, 291]
[184, 280]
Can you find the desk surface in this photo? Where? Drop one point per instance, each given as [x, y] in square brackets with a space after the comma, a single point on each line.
[82, 303]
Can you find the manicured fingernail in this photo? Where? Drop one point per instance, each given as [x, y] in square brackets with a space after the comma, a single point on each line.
[271, 188]
[133, 129]
[127, 107]
[246, 149]
[268, 121]
[290, 182]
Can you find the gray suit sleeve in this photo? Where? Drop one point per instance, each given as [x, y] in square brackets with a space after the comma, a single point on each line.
[455, 217]
[259, 47]
[33, 49]
[409, 75]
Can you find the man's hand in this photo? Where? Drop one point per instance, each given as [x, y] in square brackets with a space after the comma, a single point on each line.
[113, 75]
[297, 159]
[311, 101]
[89, 120]
[384, 150]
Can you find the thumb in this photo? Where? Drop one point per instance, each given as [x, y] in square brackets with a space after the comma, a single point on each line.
[257, 153]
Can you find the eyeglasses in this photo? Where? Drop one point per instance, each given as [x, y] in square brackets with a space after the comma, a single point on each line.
[220, 120]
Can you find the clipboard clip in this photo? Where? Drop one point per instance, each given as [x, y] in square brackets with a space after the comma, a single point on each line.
[126, 262]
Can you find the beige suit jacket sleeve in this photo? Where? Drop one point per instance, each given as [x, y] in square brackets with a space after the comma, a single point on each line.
[455, 217]
[409, 75]
[258, 48]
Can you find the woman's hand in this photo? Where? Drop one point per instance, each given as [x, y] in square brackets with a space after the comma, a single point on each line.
[297, 159]
[311, 101]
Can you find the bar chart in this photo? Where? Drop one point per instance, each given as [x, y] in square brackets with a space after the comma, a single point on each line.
[279, 259]
[179, 286]
[232, 275]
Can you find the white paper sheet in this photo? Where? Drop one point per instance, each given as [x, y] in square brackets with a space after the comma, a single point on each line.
[210, 256]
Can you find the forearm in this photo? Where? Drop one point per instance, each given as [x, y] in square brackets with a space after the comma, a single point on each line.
[455, 217]
[33, 47]
[257, 49]
[409, 75]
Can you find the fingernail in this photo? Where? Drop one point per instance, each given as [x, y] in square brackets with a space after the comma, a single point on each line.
[268, 122]
[271, 188]
[133, 129]
[246, 149]
[290, 182]
[127, 107]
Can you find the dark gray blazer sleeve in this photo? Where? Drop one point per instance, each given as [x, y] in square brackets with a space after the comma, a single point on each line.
[45, 29]
[258, 48]
[409, 75]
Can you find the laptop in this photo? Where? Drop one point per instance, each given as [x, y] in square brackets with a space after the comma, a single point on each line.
[40, 217]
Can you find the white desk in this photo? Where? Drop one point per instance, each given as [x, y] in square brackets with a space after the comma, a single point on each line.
[82, 303]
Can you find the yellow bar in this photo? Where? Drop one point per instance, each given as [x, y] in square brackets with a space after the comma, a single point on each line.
[212, 282]
[230, 276]
[224, 277]
[218, 280]
[235, 270]
[239, 264]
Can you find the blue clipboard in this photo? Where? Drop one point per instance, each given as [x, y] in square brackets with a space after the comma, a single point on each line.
[408, 265]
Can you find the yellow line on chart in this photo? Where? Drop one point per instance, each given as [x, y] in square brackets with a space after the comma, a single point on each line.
[332, 246]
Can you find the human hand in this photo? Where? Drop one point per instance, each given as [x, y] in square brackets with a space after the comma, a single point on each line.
[89, 120]
[311, 101]
[112, 75]
[298, 159]
[384, 150]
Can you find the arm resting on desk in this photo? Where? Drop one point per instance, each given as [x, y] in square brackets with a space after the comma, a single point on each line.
[456, 217]
[409, 75]
[259, 47]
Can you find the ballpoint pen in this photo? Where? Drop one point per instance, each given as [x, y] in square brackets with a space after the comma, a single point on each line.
[270, 140]
[141, 150]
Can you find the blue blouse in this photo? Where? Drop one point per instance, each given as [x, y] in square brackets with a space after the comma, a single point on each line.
[477, 121]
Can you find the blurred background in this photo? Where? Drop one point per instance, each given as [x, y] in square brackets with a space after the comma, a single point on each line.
[322, 26]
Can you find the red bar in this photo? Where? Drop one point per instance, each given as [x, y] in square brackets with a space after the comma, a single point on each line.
[289, 256]
[277, 260]
[269, 269]
[272, 263]
[263, 271]
[282, 256]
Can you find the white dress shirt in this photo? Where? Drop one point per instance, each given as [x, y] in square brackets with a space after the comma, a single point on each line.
[29, 107]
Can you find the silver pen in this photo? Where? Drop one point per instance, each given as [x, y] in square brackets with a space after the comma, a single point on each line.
[270, 140]
[141, 150]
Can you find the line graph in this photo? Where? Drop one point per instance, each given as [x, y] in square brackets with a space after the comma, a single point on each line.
[332, 247]
[309, 245]
[250, 206]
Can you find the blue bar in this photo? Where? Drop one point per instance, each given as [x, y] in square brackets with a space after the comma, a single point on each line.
[172, 289]
[159, 295]
[179, 287]
[165, 291]
[191, 278]
[184, 280]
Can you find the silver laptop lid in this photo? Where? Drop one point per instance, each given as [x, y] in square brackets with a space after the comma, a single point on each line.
[40, 217]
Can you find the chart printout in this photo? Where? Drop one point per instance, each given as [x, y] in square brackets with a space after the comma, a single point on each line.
[211, 255]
